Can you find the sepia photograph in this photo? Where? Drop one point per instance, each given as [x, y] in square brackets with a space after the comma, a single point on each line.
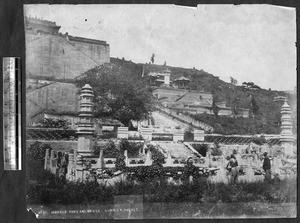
[161, 111]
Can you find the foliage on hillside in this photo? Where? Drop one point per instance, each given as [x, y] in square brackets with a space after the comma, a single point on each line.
[119, 90]
[122, 93]
[228, 125]
[259, 101]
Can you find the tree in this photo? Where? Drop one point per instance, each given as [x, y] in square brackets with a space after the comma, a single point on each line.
[233, 81]
[250, 87]
[152, 58]
[215, 107]
[216, 98]
[255, 107]
[119, 93]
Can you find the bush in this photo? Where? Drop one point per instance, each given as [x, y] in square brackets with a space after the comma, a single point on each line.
[188, 135]
[216, 151]
[109, 150]
[35, 160]
[228, 125]
[132, 148]
[157, 157]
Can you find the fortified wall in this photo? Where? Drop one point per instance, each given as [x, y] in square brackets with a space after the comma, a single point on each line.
[56, 97]
[61, 56]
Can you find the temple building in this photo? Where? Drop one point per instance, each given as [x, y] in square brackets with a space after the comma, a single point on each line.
[175, 94]
[181, 82]
[160, 78]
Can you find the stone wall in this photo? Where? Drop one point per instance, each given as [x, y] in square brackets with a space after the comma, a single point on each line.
[56, 98]
[56, 56]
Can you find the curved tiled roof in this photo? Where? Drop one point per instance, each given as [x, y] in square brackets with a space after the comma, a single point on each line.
[182, 78]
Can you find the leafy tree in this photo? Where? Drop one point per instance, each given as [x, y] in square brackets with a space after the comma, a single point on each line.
[216, 150]
[35, 160]
[188, 134]
[152, 58]
[157, 157]
[217, 94]
[119, 93]
[233, 81]
[255, 107]
[132, 148]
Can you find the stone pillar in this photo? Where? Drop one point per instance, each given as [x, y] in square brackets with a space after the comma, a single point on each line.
[126, 157]
[85, 145]
[239, 159]
[144, 149]
[198, 135]
[148, 161]
[169, 160]
[71, 168]
[52, 154]
[53, 163]
[47, 158]
[122, 133]
[190, 179]
[167, 74]
[100, 162]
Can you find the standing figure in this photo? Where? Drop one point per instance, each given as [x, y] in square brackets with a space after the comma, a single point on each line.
[232, 167]
[267, 167]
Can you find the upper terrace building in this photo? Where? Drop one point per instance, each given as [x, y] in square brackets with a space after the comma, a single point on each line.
[160, 78]
[50, 53]
[177, 96]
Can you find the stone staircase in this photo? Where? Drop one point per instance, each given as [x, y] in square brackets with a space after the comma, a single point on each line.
[177, 150]
[183, 119]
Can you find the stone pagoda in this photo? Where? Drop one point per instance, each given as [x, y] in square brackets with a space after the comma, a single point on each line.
[286, 139]
[86, 128]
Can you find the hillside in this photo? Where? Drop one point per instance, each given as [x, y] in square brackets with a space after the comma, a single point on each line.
[268, 113]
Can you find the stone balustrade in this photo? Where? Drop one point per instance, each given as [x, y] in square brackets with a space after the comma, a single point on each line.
[146, 133]
[178, 136]
[123, 132]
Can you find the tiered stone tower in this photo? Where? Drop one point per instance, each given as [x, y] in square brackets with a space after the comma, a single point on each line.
[86, 128]
[287, 140]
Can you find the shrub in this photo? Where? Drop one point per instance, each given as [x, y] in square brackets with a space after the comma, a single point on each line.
[109, 150]
[229, 125]
[157, 157]
[188, 134]
[216, 151]
[132, 148]
[35, 159]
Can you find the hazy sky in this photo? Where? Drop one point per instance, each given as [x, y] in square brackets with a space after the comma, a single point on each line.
[248, 42]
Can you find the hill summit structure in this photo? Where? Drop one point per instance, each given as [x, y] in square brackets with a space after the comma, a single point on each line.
[60, 56]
